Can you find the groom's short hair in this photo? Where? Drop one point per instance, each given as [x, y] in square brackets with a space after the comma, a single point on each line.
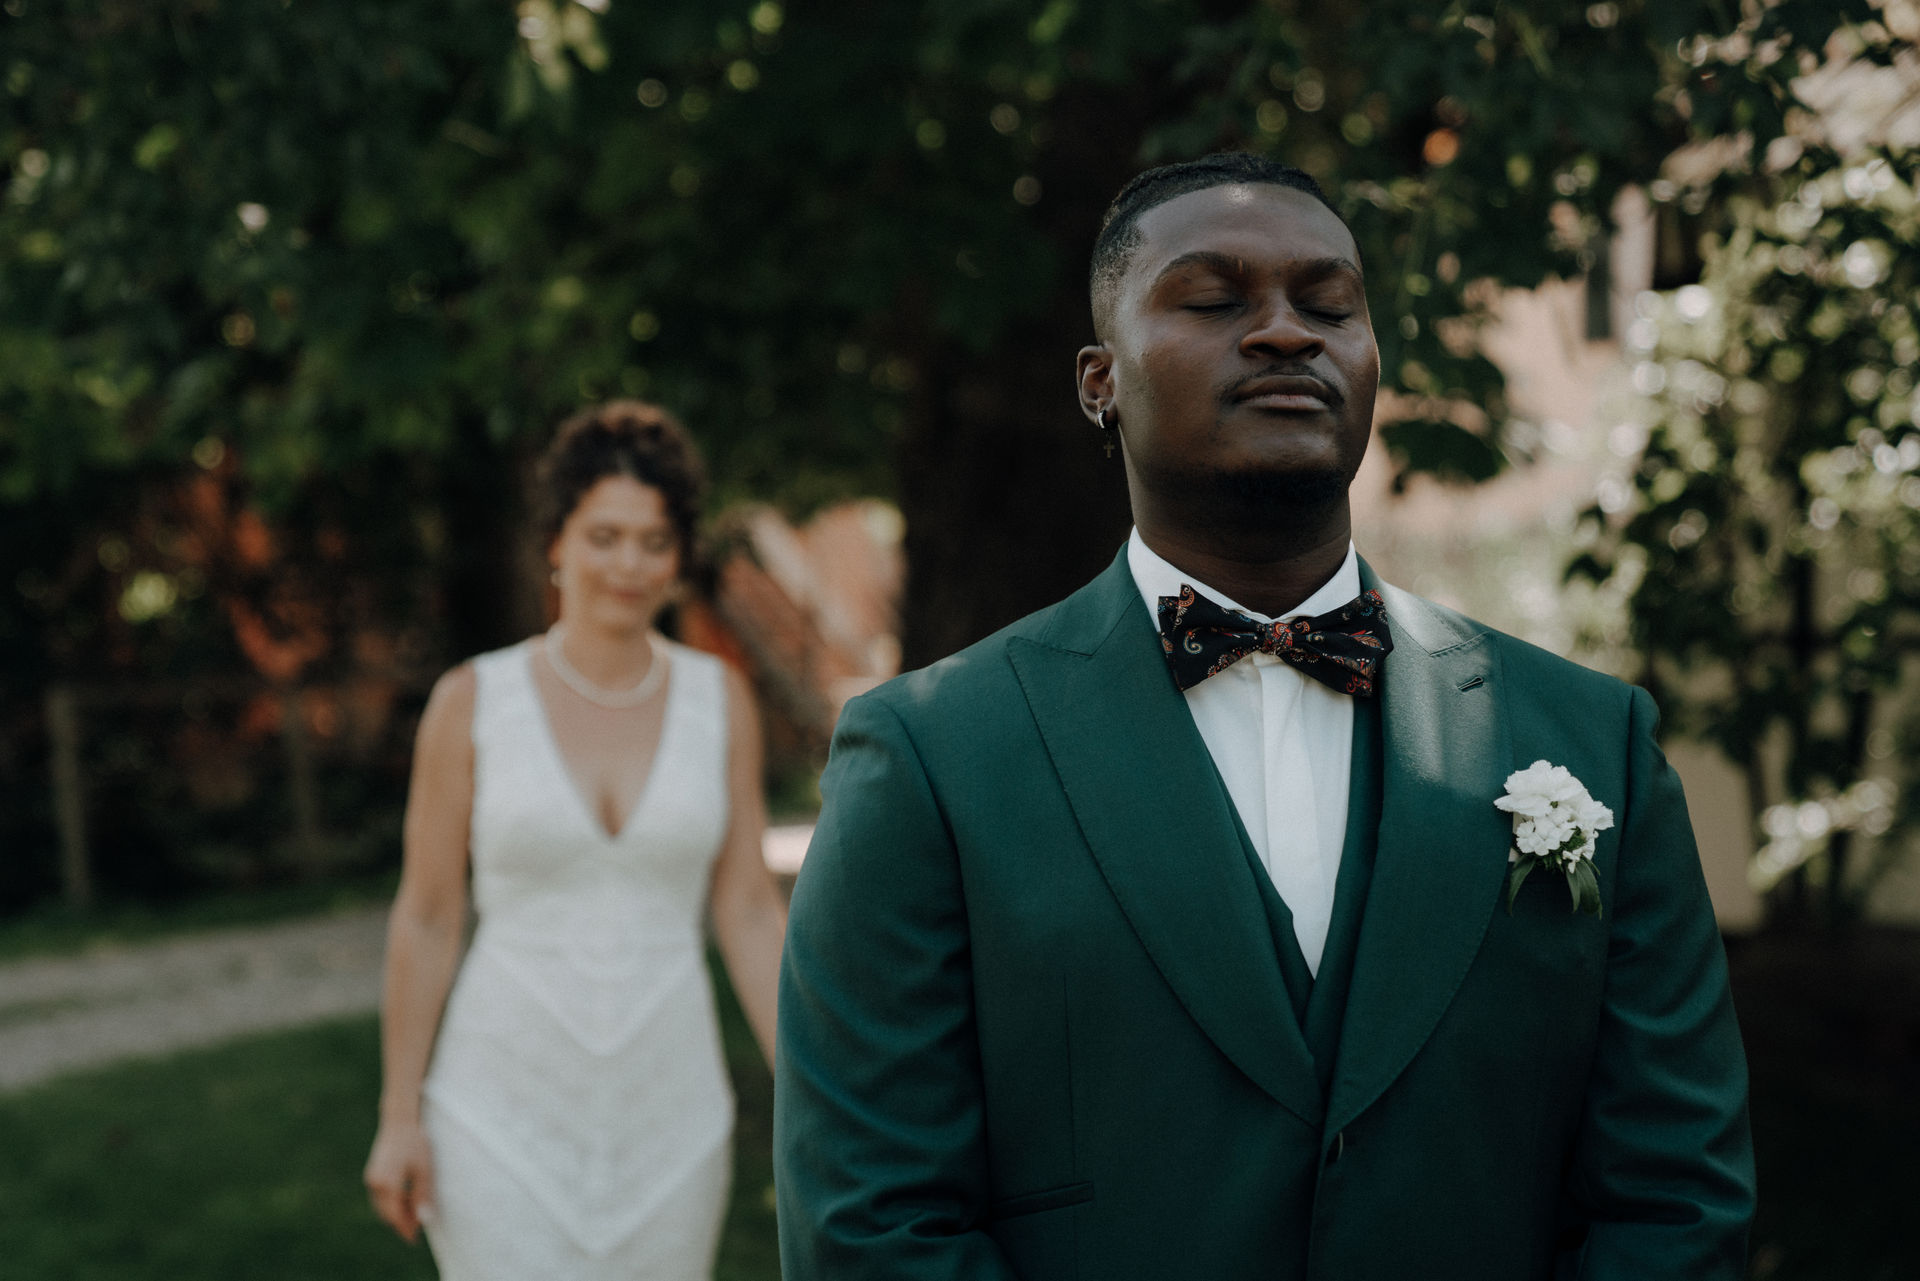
[1120, 226]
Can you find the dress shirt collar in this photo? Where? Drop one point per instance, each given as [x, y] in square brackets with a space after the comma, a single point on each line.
[1155, 578]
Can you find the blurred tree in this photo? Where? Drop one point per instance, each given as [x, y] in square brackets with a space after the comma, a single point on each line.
[383, 241]
[1768, 553]
[1764, 545]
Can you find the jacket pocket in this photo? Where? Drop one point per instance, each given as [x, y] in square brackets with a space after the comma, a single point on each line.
[1059, 1198]
[1040, 1231]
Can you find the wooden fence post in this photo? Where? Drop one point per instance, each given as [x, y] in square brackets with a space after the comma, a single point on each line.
[301, 784]
[69, 794]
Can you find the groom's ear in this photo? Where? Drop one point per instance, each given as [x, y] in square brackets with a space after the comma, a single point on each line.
[1094, 367]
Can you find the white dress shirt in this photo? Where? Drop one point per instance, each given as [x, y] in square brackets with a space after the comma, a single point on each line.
[1283, 743]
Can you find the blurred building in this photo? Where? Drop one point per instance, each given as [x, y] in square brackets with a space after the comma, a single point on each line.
[811, 612]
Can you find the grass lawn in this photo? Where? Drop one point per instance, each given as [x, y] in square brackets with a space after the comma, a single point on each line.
[243, 1162]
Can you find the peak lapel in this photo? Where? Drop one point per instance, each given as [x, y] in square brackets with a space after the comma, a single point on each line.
[1442, 853]
[1156, 818]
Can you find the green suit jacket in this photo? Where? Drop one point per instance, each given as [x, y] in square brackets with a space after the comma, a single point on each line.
[1035, 1021]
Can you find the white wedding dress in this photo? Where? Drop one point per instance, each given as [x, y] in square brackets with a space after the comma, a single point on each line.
[578, 1103]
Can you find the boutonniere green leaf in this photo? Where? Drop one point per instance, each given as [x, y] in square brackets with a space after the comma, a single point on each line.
[1555, 824]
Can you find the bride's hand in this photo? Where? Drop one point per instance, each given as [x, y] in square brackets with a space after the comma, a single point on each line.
[399, 1177]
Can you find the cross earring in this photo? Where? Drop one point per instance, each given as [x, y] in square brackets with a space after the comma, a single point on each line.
[1100, 420]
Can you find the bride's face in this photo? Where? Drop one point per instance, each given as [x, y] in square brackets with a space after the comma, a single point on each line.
[617, 556]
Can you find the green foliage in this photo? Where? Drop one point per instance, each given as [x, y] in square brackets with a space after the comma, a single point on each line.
[1518, 877]
[350, 261]
[1435, 447]
[1770, 559]
[1583, 883]
[332, 232]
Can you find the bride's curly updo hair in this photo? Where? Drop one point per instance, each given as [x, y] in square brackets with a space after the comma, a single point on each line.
[625, 438]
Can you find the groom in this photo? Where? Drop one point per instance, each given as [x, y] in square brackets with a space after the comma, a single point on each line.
[1149, 939]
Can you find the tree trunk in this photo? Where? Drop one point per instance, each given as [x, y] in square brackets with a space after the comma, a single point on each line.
[1841, 908]
[1010, 501]
[303, 786]
[64, 738]
[493, 593]
[1791, 903]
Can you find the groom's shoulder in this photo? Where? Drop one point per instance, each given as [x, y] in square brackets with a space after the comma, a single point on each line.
[976, 690]
[961, 678]
[1527, 669]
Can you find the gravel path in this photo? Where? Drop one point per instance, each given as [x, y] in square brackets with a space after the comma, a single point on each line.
[61, 1014]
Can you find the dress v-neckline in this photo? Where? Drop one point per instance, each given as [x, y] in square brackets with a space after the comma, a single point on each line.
[582, 802]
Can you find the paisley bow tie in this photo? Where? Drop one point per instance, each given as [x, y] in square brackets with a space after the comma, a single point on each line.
[1342, 649]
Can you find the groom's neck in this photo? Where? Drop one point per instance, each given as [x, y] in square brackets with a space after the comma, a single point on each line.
[1270, 570]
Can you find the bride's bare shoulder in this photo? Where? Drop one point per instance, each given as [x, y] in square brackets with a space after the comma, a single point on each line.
[446, 724]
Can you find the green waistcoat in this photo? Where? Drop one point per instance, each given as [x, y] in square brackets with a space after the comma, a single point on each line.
[1319, 1000]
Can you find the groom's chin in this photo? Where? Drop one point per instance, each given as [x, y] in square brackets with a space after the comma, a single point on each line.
[1264, 496]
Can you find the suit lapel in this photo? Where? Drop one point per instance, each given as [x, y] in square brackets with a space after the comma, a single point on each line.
[1159, 824]
[1441, 856]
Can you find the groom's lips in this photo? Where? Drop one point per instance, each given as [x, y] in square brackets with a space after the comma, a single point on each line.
[1285, 393]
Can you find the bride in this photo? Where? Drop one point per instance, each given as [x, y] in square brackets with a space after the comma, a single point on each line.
[561, 1108]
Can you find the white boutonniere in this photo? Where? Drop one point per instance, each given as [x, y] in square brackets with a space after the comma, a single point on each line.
[1555, 823]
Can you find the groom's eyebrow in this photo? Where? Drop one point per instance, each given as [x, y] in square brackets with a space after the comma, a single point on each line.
[1231, 265]
[1208, 259]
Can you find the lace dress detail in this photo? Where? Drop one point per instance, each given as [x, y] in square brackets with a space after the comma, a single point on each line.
[578, 1103]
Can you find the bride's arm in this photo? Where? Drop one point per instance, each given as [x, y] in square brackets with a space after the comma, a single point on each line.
[423, 945]
[749, 918]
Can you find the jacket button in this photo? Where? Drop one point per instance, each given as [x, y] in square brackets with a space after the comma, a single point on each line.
[1338, 1148]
